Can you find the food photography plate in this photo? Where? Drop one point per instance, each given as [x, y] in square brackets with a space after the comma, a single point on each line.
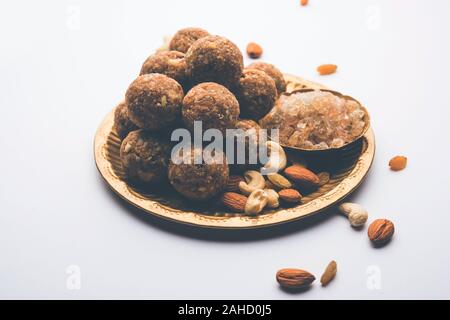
[100, 99]
[347, 169]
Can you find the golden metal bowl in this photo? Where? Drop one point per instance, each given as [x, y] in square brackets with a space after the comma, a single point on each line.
[347, 172]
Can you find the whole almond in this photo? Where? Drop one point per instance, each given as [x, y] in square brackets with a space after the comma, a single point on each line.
[233, 183]
[254, 50]
[380, 231]
[234, 201]
[329, 273]
[326, 69]
[294, 278]
[398, 163]
[302, 176]
[290, 195]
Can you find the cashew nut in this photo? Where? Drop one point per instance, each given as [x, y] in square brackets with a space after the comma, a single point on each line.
[256, 202]
[277, 158]
[356, 214]
[272, 198]
[279, 181]
[253, 181]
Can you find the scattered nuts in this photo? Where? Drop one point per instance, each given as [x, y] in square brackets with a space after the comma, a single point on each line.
[254, 50]
[329, 273]
[326, 69]
[294, 278]
[302, 176]
[256, 202]
[234, 201]
[233, 183]
[398, 163]
[324, 178]
[356, 214]
[381, 231]
[272, 198]
[253, 181]
[277, 158]
[279, 181]
[290, 195]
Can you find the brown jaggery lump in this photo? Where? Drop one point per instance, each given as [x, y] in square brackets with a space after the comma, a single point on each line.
[169, 63]
[154, 101]
[122, 123]
[198, 181]
[211, 103]
[145, 157]
[214, 59]
[272, 72]
[184, 38]
[256, 93]
[316, 120]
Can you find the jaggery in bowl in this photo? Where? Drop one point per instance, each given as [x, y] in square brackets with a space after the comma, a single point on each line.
[317, 120]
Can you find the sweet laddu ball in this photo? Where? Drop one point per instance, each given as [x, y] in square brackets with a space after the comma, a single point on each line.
[248, 134]
[145, 157]
[184, 38]
[122, 123]
[272, 72]
[154, 101]
[169, 63]
[198, 181]
[256, 93]
[212, 104]
[214, 59]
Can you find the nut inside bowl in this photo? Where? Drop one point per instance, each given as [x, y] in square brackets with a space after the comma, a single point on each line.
[317, 120]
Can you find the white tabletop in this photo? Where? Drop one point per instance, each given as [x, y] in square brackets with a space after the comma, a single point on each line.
[63, 234]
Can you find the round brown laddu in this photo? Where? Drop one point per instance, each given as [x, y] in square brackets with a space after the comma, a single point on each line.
[256, 93]
[198, 181]
[122, 123]
[184, 38]
[169, 63]
[250, 138]
[211, 103]
[154, 101]
[272, 72]
[214, 59]
[145, 157]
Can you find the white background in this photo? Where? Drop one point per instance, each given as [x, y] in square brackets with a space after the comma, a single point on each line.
[65, 64]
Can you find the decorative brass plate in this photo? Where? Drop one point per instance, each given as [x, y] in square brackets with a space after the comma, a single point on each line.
[348, 168]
